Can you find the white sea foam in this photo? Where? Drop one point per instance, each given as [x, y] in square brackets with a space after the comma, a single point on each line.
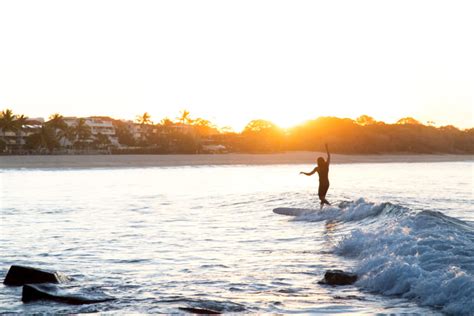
[350, 211]
[424, 256]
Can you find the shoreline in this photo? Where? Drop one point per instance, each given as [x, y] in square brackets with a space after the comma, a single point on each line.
[138, 161]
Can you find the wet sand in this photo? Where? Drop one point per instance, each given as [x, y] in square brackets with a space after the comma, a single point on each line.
[132, 161]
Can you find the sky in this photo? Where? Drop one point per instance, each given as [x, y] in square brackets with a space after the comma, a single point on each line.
[234, 61]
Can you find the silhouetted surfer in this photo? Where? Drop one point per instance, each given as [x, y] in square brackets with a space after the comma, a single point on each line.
[323, 171]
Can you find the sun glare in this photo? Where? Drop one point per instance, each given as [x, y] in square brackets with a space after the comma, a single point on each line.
[288, 121]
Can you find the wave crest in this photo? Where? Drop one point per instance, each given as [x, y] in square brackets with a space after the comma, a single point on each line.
[352, 211]
[425, 256]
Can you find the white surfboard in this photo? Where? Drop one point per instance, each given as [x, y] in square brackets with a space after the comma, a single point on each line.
[293, 211]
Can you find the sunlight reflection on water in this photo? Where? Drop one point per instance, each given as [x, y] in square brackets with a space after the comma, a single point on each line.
[161, 238]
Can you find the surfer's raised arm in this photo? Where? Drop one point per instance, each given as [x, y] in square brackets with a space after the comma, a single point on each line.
[329, 155]
[310, 173]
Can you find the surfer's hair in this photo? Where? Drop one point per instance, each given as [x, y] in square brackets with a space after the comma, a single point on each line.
[321, 161]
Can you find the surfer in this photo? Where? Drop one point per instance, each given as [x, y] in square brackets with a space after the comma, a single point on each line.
[323, 171]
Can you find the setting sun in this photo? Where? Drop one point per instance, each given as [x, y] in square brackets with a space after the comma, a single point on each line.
[288, 62]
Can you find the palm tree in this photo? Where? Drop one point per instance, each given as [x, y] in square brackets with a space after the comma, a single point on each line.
[12, 123]
[165, 137]
[69, 133]
[101, 141]
[7, 121]
[20, 122]
[58, 126]
[144, 119]
[7, 124]
[56, 121]
[82, 132]
[124, 135]
[44, 139]
[184, 117]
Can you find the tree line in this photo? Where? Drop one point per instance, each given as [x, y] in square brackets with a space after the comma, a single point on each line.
[184, 134]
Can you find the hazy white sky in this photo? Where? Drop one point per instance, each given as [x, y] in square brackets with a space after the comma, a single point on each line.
[233, 61]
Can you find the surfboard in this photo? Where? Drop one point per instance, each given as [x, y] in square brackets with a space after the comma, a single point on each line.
[293, 211]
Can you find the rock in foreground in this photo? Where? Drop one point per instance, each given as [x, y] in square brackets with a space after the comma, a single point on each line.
[338, 277]
[20, 275]
[194, 310]
[53, 293]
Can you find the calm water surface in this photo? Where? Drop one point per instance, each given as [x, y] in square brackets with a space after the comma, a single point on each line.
[205, 236]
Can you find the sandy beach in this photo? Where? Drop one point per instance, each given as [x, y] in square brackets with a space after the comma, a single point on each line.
[131, 161]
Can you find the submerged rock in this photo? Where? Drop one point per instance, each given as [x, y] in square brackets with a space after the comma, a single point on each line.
[338, 277]
[53, 293]
[194, 310]
[21, 275]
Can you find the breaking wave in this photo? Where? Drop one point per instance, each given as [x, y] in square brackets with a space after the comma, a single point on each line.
[424, 256]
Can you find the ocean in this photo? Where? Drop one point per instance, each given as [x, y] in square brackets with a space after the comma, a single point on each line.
[163, 238]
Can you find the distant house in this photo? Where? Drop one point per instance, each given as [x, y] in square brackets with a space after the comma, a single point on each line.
[9, 138]
[32, 126]
[102, 125]
[15, 140]
[140, 131]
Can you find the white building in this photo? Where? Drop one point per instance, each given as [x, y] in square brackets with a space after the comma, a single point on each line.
[98, 125]
[17, 139]
[140, 131]
[103, 125]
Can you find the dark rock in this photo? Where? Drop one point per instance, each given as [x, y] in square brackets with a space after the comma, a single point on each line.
[338, 277]
[52, 293]
[20, 275]
[193, 310]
